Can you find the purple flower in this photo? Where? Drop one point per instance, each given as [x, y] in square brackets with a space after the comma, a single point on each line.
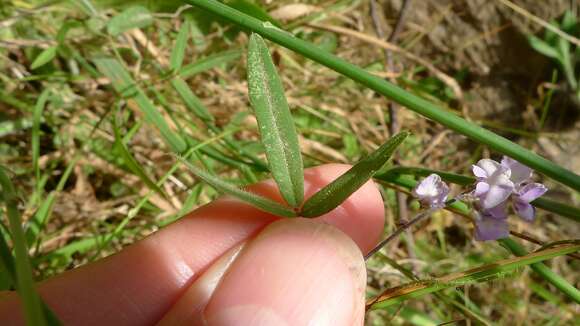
[432, 191]
[491, 224]
[522, 198]
[493, 183]
[519, 172]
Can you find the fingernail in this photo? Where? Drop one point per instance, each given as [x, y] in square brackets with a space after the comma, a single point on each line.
[296, 272]
[188, 309]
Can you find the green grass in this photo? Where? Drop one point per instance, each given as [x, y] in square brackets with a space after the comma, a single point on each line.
[90, 121]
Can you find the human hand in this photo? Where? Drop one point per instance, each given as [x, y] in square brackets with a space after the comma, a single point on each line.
[228, 263]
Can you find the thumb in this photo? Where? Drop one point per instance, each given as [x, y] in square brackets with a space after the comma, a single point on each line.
[295, 272]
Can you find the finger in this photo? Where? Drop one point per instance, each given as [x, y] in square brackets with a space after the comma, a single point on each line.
[295, 272]
[139, 284]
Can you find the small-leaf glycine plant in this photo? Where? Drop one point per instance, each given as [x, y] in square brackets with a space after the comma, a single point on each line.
[280, 140]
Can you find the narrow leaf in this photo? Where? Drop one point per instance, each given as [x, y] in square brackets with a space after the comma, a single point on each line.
[31, 301]
[178, 53]
[126, 87]
[130, 18]
[44, 57]
[543, 47]
[192, 102]
[329, 197]
[208, 63]
[130, 161]
[275, 122]
[257, 201]
[35, 141]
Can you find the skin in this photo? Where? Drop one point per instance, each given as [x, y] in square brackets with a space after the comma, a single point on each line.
[228, 263]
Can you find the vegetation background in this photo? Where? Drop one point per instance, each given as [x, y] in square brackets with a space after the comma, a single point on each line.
[79, 81]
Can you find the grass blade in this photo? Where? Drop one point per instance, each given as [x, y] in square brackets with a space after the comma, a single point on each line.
[406, 99]
[130, 161]
[35, 141]
[40, 218]
[208, 63]
[480, 274]
[192, 102]
[275, 122]
[44, 57]
[130, 18]
[126, 87]
[31, 301]
[259, 202]
[178, 53]
[329, 197]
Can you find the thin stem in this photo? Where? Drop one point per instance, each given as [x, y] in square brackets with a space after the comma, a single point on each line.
[398, 231]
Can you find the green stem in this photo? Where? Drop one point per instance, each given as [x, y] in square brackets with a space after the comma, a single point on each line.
[558, 281]
[393, 92]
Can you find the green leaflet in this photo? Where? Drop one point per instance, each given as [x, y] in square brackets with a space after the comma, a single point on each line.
[130, 18]
[329, 197]
[275, 122]
[259, 202]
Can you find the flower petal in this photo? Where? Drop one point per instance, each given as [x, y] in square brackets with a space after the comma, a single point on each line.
[531, 191]
[487, 165]
[519, 172]
[491, 229]
[478, 172]
[496, 195]
[498, 212]
[524, 210]
[481, 188]
[432, 191]
[428, 186]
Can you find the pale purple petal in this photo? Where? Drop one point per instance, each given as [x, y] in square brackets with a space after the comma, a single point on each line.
[519, 172]
[488, 166]
[491, 229]
[496, 195]
[432, 191]
[498, 212]
[479, 172]
[428, 186]
[524, 210]
[530, 192]
[481, 188]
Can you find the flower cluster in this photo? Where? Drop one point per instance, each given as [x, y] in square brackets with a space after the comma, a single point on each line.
[496, 184]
